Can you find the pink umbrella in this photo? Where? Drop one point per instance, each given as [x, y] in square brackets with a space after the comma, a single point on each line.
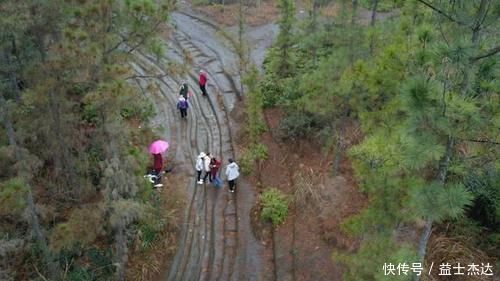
[158, 146]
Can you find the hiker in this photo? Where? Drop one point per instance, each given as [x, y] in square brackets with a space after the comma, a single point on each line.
[184, 91]
[182, 105]
[232, 173]
[157, 167]
[206, 166]
[203, 82]
[158, 163]
[203, 164]
[214, 168]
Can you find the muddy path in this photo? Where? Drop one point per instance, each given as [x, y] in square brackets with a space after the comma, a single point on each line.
[216, 241]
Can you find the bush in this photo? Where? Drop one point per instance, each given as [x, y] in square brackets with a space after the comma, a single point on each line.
[256, 152]
[271, 90]
[298, 125]
[147, 236]
[274, 206]
[12, 197]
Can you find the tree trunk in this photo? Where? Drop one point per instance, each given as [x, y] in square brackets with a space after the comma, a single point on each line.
[7, 122]
[241, 47]
[121, 253]
[35, 223]
[481, 14]
[337, 155]
[52, 269]
[372, 23]
[441, 177]
[353, 33]
[64, 166]
[313, 27]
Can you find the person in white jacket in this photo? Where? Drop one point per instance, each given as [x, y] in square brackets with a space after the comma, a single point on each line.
[232, 173]
[202, 164]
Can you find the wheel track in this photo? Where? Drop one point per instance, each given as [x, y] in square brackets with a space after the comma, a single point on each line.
[211, 255]
[195, 202]
[206, 214]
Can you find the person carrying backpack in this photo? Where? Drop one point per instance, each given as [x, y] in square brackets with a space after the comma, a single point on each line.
[182, 105]
[202, 81]
[232, 173]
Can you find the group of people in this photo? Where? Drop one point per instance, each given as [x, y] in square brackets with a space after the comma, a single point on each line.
[205, 162]
[209, 165]
[185, 94]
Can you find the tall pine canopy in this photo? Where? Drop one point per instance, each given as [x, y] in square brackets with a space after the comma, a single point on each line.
[421, 86]
[71, 171]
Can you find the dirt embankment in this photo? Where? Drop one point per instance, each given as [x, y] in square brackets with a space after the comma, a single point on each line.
[301, 248]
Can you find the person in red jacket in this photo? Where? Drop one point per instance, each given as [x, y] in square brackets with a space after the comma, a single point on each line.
[214, 168]
[203, 82]
[158, 163]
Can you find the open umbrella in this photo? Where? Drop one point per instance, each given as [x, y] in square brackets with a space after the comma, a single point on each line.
[158, 146]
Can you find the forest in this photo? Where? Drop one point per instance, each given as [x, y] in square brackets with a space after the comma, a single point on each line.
[367, 134]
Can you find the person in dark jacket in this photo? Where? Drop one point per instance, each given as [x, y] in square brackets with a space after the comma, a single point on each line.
[182, 105]
[202, 81]
[184, 91]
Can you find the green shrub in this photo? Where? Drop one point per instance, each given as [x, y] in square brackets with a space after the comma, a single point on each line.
[298, 125]
[246, 162]
[271, 90]
[274, 206]
[142, 110]
[147, 236]
[80, 274]
[256, 152]
[89, 114]
[12, 196]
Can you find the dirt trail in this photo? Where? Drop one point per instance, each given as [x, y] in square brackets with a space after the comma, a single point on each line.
[216, 241]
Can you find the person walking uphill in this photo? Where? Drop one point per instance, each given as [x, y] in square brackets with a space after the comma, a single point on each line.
[203, 164]
[232, 173]
[184, 91]
[203, 82]
[182, 105]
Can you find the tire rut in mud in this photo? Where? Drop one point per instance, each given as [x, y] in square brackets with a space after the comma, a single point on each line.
[209, 237]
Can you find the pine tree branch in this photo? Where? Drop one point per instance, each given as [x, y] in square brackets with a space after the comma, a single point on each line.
[481, 141]
[146, 76]
[439, 11]
[490, 53]
[145, 37]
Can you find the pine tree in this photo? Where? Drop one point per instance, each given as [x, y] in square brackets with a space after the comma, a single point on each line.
[66, 109]
[284, 41]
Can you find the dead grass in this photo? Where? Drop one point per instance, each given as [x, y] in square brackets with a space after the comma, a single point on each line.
[305, 189]
[442, 250]
[331, 10]
[144, 265]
